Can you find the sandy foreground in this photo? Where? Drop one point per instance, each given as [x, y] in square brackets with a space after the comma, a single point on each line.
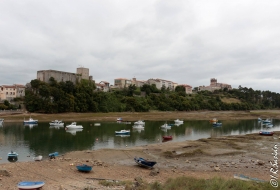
[249, 155]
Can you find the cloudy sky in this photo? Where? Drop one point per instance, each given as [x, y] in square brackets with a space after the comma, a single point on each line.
[184, 41]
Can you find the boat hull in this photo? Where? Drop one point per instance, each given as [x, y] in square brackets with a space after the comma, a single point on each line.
[266, 133]
[53, 155]
[167, 138]
[84, 168]
[143, 162]
[30, 184]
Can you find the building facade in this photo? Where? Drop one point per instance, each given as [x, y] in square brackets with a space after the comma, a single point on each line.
[214, 85]
[9, 92]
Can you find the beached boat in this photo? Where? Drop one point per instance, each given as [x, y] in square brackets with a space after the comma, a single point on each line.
[53, 155]
[143, 162]
[56, 123]
[122, 132]
[266, 133]
[167, 137]
[74, 125]
[31, 184]
[38, 158]
[30, 121]
[84, 168]
[12, 156]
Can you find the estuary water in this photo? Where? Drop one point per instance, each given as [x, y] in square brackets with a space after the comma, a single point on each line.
[30, 141]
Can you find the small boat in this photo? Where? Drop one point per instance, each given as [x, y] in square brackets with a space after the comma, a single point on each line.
[84, 168]
[30, 121]
[266, 121]
[38, 158]
[166, 126]
[53, 155]
[167, 137]
[178, 121]
[30, 184]
[1, 121]
[97, 124]
[213, 120]
[12, 156]
[122, 132]
[246, 178]
[56, 123]
[143, 162]
[139, 122]
[266, 133]
[119, 119]
[74, 125]
[259, 119]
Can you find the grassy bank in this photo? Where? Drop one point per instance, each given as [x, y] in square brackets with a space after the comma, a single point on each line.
[190, 183]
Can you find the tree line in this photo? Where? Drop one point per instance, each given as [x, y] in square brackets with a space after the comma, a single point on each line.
[59, 97]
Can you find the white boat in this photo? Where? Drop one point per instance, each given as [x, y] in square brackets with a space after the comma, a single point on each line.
[166, 126]
[178, 121]
[139, 122]
[30, 121]
[74, 125]
[97, 124]
[12, 156]
[1, 121]
[56, 123]
[38, 158]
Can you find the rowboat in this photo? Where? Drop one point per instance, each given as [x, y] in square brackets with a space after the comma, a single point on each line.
[143, 162]
[30, 184]
[266, 133]
[84, 168]
[167, 137]
[53, 155]
[38, 158]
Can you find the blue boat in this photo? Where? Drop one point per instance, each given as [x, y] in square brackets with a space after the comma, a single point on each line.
[12, 156]
[30, 121]
[122, 132]
[143, 162]
[30, 184]
[84, 168]
[53, 155]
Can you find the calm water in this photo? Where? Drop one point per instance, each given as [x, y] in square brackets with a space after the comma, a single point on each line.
[30, 141]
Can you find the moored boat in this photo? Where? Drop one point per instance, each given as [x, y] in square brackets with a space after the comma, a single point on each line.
[177, 121]
[1, 121]
[143, 162]
[166, 126]
[30, 121]
[215, 124]
[30, 184]
[122, 132]
[266, 133]
[84, 168]
[213, 120]
[74, 125]
[56, 123]
[139, 122]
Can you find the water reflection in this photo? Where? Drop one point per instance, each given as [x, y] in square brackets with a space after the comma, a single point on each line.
[43, 139]
[73, 131]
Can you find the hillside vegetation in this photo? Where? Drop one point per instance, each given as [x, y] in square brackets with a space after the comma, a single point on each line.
[54, 97]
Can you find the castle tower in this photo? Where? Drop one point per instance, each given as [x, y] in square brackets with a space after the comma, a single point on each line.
[84, 72]
[213, 82]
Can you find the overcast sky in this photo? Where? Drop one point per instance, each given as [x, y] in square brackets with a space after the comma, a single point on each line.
[185, 41]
